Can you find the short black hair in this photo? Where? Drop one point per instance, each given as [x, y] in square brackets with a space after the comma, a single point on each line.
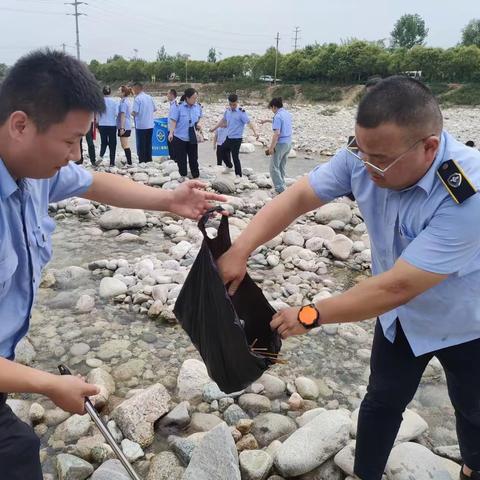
[233, 97]
[470, 143]
[276, 102]
[173, 91]
[372, 82]
[137, 84]
[403, 101]
[106, 90]
[189, 92]
[46, 85]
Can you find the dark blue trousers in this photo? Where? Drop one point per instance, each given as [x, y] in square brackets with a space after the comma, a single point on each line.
[19, 447]
[395, 373]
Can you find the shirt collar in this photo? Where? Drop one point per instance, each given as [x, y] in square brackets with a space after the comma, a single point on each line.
[427, 182]
[7, 183]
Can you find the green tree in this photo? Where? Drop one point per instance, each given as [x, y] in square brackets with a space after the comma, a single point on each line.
[212, 55]
[471, 33]
[162, 55]
[409, 31]
[3, 70]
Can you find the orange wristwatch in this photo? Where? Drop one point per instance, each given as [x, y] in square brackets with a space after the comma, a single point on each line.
[309, 316]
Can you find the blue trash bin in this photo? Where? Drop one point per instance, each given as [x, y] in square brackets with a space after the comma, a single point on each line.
[160, 138]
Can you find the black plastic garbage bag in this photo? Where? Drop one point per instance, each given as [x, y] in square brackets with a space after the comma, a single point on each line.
[224, 329]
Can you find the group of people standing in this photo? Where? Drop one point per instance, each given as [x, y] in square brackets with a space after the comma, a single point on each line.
[185, 131]
[116, 120]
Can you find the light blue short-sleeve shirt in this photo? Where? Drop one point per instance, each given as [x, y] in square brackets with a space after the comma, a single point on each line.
[125, 108]
[109, 117]
[236, 121]
[144, 108]
[282, 121]
[186, 116]
[221, 135]
[425, 227]
[25, 243]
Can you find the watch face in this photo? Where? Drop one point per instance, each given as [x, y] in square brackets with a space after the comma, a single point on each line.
[308, 315]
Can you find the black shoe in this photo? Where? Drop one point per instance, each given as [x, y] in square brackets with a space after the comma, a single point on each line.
[473, 476]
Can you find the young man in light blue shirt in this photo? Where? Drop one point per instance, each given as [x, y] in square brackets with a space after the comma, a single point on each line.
[142, 111]
[41, 122]
[281, 143]
[416, 187]
[234, 120]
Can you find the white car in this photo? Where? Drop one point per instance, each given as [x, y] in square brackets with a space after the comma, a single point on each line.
[266, 78]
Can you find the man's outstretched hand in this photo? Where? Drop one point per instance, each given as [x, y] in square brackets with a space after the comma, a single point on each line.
[191, 201]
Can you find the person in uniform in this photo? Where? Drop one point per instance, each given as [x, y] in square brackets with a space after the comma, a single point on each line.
[107, 126]
[416, 187]
[234, 120]
[223, 154]
[41, 122]
[183, 126]
[281, 143]
[124, 121]
[143, 112]
[172, 101]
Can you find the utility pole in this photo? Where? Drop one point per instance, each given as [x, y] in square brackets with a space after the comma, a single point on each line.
[186, 68]
[64, 45]
[277, 38]
[75, 4]
[296, 38]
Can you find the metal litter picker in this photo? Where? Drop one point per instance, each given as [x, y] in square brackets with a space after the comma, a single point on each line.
[105, 431]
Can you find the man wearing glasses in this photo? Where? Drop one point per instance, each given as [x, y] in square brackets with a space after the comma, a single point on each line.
[416, 188]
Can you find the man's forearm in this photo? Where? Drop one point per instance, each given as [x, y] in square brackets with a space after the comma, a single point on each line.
[252, 128]
[274, 142]
[121, 192]
[17, 378]
[221, 124]
[378, 294]
[274, 217]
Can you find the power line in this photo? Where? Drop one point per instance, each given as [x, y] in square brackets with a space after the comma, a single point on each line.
[77, 14]
[277, 38]
[296, 38]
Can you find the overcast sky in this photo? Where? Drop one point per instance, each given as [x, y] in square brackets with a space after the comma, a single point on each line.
[232, 27]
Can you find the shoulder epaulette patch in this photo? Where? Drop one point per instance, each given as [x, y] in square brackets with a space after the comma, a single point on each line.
[456, 182]
[242, 109]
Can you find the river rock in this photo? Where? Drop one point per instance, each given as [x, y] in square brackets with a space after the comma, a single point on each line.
[340, 247]
[72, 468]
[72, 429]
[274, 387]
[192, 378]
[135, 416]
[268, 427]
[414, 461]
[179, 416]
[255, 464]
[111, 287]
[307, 388]
[313, 444]
[122, 218]
[412, 426]
[111, 470]
[215, 458]
[254, 404]
[165, 466]
[24, 352]
[333, 211]
[101, 378]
